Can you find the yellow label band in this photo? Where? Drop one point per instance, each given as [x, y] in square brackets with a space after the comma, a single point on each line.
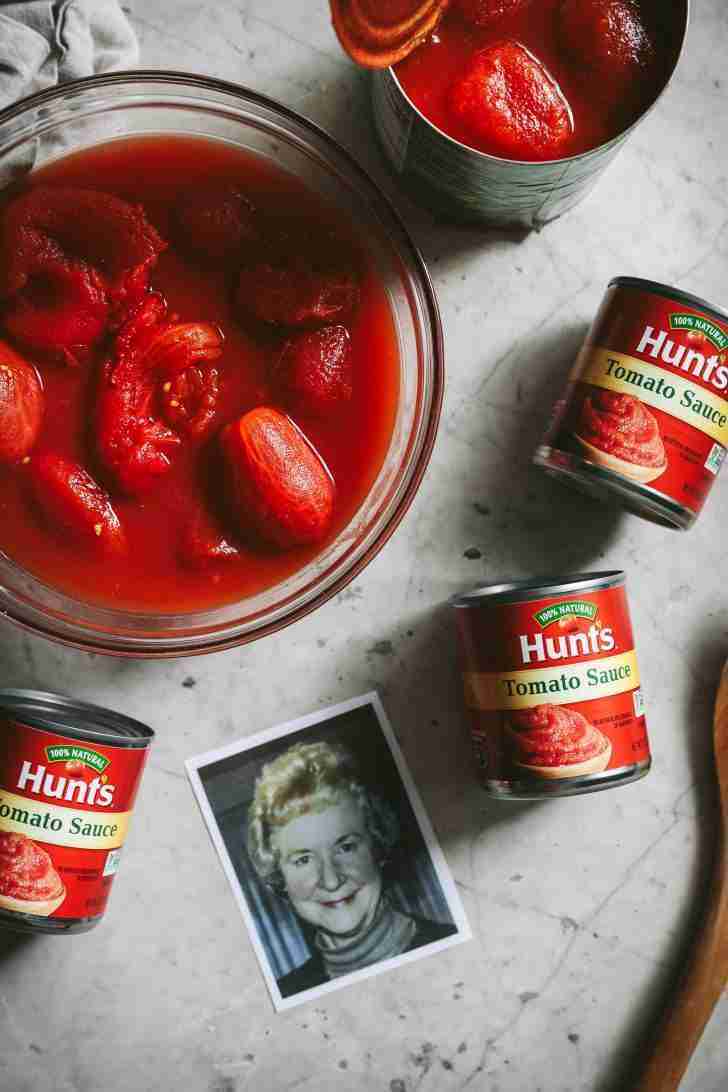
[555, 685]
[61, 826]
[669, 391]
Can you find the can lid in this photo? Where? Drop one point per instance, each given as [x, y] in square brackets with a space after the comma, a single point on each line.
[676, 294]
[78, 719]
[520, 591]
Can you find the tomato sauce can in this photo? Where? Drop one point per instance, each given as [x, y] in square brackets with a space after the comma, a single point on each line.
[552, 686]
[645, 415]
[69, 774]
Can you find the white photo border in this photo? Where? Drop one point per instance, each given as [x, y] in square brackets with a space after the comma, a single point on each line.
[249, 743]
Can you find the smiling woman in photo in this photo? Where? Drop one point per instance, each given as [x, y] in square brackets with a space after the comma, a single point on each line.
[320, 839]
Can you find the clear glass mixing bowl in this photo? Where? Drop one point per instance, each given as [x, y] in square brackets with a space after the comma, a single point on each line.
[102, 108]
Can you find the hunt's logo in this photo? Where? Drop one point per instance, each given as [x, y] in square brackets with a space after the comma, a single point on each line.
[711, 369]
[558, 612]
[713, 333]
[579, 633]
[35, 778]
[80, 756]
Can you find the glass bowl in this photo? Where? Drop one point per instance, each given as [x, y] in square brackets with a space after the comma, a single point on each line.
[95, 110]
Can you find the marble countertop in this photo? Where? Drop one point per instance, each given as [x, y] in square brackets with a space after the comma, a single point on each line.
[580, 908]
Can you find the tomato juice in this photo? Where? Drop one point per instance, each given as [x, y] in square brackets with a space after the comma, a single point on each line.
[602, 104]
[157, 172]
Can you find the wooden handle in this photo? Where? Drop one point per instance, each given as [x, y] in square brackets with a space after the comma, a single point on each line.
[707, 972]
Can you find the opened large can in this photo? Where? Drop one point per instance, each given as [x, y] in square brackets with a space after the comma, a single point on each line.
[459, 116]
[645, 415]
[552, 685]
[69, 774]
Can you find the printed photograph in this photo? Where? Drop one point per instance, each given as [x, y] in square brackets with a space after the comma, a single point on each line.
[328, 850]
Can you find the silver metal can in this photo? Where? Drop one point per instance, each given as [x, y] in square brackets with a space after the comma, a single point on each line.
[465, 184]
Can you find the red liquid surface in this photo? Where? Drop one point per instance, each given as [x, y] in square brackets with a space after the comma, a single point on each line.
[428, 74]
[155, 171]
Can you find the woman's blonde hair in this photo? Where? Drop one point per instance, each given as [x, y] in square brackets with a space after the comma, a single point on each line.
[306, 778]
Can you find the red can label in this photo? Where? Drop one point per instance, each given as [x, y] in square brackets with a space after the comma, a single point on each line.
[554, 687]
[64, 813]
[648, 397]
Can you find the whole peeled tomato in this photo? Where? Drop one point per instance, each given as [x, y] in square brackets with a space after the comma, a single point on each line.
[134, 443]
[216, 223]
[481, 13]
[313, 373]
[75, 505]
[294, 294]
[302, 279]
[508, 99]
[279, 487]
[608, 42]
[73, 263]
[21, 405]
[62, 311]
[203, 543]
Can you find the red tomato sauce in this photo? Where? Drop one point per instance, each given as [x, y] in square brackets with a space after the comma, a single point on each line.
[599, 111]
[621, 425]
[554, 735]
[352, 440]
[26, 870]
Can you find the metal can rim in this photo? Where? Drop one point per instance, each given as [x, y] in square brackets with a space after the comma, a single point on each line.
[610, 779]
[580, 156]
[57, 712]
[521, 591]
[635, 497]
[677, 294]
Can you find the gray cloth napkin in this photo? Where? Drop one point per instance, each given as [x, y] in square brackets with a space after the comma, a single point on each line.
[44, 42]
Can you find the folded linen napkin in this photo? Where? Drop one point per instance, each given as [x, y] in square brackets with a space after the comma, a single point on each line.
[44, 42]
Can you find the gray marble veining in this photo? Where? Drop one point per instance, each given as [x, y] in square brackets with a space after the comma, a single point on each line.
[580, 908]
